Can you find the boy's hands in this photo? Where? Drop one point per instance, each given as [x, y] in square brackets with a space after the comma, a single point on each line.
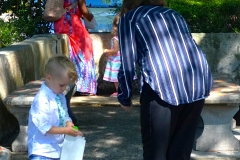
[69, 130]
[69, 124]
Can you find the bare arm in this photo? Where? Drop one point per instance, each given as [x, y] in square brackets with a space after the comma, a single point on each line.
[115, 49]
[57, 130]
[84, 10]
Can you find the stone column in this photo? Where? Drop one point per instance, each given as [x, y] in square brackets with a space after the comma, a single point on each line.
[217, 133]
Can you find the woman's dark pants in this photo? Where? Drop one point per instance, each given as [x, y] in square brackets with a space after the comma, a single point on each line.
[168, 131]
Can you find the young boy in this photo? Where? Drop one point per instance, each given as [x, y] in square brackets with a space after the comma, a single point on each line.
[48, 117]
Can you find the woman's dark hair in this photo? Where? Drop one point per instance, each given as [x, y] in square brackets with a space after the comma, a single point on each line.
[131, 4]
[153, 2]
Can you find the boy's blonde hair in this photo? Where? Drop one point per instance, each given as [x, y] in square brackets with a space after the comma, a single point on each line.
[59, 64]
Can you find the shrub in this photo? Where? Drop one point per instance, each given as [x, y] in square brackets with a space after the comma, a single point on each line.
[28, 22]
[209, 16]
[7, 34]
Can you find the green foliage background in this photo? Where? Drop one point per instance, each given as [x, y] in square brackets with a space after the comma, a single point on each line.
[201, 15]
[27, 23]
[209, 16]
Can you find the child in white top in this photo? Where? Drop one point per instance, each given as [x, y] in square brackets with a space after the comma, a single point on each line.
[48, 117]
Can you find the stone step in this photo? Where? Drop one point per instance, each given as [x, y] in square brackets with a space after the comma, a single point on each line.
[99, 101]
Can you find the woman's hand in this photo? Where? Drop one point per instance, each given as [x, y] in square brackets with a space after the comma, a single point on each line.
[84, 10]
[109, 52]
[105, 51]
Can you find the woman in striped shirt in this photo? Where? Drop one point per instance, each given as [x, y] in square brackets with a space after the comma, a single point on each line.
[175, 77]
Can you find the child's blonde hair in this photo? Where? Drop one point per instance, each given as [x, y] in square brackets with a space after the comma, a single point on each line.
[59, 64]
[115, 24]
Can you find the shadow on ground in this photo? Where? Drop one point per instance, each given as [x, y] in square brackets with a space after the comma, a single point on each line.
[111, 133]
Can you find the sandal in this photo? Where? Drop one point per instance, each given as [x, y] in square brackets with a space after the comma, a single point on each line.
[115, 94]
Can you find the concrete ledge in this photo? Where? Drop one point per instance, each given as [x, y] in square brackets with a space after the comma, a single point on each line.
[224, 92]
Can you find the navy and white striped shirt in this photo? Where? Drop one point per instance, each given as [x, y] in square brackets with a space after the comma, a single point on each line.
[158, 39]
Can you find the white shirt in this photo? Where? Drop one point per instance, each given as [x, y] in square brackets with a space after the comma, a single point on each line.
[42, 116]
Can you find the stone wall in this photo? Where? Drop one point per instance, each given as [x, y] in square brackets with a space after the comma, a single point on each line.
[24, 62]
[221, 50]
